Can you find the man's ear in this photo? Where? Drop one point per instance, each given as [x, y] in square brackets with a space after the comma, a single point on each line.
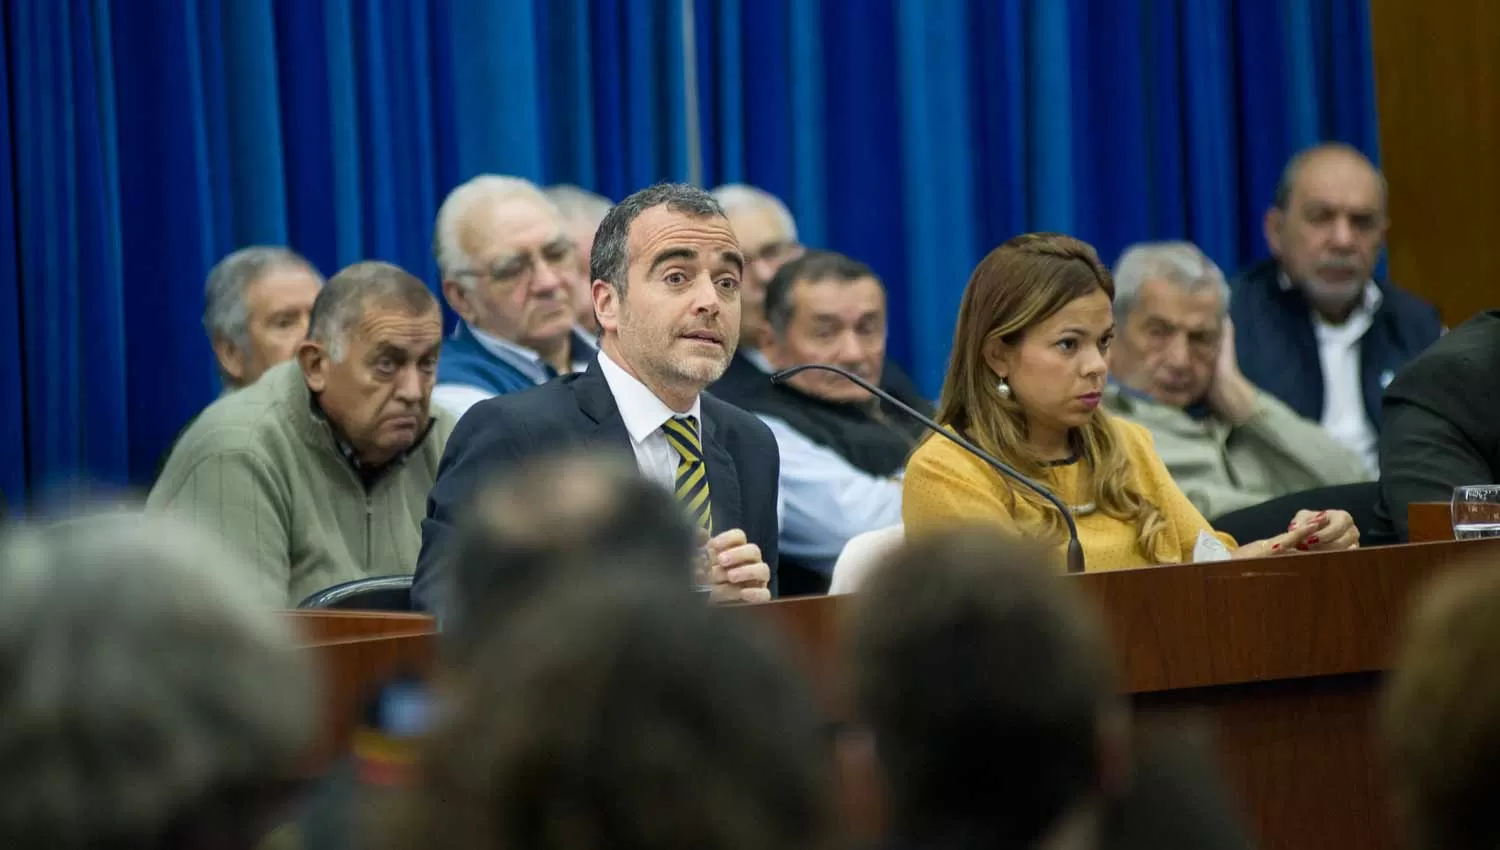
[231, 359]
[606, 305]
[1275, 219]
[998, 355]
[314, 360]
[458, 298]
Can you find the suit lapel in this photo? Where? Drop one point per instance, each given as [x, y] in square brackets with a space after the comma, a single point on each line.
[597, 403]
[723, 479]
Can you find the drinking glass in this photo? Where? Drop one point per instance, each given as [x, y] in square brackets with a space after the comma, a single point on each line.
[1476, 511]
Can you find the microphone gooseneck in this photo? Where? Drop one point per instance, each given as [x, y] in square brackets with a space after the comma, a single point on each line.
[1075, 549]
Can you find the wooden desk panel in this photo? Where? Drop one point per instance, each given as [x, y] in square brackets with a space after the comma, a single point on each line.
[1429, 522]
[328, 626]
[1284, 654]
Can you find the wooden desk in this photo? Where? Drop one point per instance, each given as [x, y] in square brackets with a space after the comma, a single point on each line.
[1429, 522]
[1284, 654]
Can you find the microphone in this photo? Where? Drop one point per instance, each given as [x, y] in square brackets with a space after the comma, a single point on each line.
[1075, 549]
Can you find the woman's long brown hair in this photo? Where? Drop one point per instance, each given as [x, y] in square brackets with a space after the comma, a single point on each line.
[1018, 285]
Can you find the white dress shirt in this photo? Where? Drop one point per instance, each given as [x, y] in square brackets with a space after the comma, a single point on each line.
[644, 414]
[827, 500]
[1344, 414]
[458, 398]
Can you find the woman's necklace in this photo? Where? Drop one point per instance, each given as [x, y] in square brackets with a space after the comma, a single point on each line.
[1078, 510]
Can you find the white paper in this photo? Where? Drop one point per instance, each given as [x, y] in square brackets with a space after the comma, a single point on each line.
[1209, 548]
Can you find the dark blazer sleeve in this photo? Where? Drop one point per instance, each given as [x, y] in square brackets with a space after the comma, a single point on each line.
[484, 440]
[1423, 456]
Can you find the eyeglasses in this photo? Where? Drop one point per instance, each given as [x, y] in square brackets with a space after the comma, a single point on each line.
[520, 270]
[775, 252]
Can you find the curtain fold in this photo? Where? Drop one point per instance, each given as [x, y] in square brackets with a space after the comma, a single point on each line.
[952, 125]
[144, 139]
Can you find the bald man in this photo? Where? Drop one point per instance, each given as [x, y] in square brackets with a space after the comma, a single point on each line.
[1313, 326]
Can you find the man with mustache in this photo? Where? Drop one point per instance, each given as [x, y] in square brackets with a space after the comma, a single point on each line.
[1313, 327]
[666, 289]
[842, 451]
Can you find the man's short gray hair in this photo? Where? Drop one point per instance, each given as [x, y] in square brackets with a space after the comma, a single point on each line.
[343, 301]
[610, 260]
[145, 685]
[1179, 263]
[225, 314]
[739, 196]
[486, 189]
[575, 203]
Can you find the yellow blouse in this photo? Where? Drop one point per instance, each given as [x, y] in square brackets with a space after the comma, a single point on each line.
[946, 485]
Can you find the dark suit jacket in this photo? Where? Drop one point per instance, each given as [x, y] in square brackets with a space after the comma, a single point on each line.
[578, 411]
[1278, 348]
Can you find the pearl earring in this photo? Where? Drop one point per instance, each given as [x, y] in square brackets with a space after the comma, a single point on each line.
[1004, 388]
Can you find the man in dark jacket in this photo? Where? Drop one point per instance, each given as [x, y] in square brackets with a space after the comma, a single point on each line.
[1441, 423]
[1314, 327]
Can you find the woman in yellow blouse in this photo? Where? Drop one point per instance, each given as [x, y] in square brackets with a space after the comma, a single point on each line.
[1029, 363]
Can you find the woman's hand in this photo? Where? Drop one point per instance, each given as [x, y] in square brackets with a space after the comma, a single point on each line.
[1310, 531]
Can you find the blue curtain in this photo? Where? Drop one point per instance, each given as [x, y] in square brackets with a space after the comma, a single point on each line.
[919, 134]
[140, 140]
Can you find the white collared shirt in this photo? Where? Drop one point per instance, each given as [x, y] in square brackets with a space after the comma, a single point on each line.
[1344, 414]
[458, 398]
[759, 360]
[644, 414]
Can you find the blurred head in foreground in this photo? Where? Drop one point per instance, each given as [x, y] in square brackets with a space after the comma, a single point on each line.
[610, 716]
[573, 517]
[147, 697]
[989, 690]
[1441, 714]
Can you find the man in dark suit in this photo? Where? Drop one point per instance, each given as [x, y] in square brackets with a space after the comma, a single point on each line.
[666, 289]
[1313, 325]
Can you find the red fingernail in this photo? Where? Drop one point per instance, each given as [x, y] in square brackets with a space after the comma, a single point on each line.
[1312, 540]
[1275, 546]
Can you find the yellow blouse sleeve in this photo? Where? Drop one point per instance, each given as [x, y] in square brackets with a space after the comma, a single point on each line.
[947, 486]
[1163, 491]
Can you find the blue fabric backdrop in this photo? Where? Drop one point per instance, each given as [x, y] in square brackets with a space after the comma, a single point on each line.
[141, 140]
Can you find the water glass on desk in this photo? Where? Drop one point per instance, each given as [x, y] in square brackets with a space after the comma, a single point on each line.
[1476, 511]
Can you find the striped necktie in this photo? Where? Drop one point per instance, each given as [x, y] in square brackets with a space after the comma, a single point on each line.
[692, 475]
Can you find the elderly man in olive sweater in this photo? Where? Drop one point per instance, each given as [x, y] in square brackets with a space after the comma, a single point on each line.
[320, 470]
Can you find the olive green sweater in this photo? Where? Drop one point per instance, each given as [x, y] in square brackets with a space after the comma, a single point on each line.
[262, 469]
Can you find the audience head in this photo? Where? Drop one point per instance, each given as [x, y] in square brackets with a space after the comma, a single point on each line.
[1327, 224]
[988, 687]
[255, 308]
[666, 272]
[1441, 714]
[581, 212]
[568, 517]
[610, 716]
[370, 358]
[1028, 366]
[149, 698]
[827, 308]
[767, 234]
[508, 265]
[1170, 305]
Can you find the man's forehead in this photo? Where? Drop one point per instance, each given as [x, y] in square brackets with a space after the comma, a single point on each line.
[395, 325]
[1337, 178]
[838, 293]
[660, 228]
[507, 226]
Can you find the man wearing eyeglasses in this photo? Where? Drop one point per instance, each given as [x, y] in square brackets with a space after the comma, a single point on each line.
[509, 271]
